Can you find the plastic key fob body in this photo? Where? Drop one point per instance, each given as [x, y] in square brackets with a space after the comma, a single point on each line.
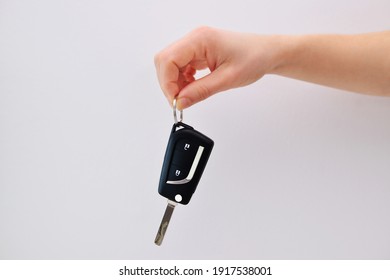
[185, 159]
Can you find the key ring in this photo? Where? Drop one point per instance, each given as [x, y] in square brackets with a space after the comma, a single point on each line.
[175, 114]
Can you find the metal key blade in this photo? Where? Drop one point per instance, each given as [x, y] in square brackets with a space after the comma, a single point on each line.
[165, 222]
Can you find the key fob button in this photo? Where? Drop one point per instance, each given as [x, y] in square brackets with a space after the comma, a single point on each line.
[184, 153]
[177, 172]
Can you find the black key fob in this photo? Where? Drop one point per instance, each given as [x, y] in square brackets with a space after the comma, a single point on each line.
[185, 159]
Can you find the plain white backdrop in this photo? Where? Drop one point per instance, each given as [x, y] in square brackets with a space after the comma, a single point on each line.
[298, 171]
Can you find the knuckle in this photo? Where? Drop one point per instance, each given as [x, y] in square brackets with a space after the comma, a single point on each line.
[203, 31]
[159, 58]
[165, 57]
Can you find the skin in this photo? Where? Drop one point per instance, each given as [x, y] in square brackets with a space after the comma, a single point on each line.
[358, 63]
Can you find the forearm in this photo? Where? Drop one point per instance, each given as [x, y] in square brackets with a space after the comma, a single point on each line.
[359, 63]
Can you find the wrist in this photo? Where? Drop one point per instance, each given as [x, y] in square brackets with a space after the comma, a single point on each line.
[286, 53]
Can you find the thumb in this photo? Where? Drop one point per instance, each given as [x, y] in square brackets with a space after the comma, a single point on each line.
[218, 80]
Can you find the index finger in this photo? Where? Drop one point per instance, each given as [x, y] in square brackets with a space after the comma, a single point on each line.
[171, 60]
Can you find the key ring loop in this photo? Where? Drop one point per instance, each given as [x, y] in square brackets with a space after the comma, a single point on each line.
[175, 114]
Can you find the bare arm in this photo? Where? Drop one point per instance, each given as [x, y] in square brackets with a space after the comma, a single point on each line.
[359, 63]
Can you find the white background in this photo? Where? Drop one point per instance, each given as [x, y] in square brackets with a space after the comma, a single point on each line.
[231, 269]
[298, 171]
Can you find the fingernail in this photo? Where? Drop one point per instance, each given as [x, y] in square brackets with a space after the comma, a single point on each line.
[183, 103]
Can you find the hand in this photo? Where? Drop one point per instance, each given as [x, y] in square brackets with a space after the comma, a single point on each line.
[234, 60]
[359, 63]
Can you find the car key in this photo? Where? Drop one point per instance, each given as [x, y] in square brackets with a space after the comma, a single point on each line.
[185, 159]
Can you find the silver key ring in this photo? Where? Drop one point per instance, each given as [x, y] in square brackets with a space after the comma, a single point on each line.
[175, 114]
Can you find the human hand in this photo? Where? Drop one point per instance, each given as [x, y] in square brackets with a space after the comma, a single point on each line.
[234, 60]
